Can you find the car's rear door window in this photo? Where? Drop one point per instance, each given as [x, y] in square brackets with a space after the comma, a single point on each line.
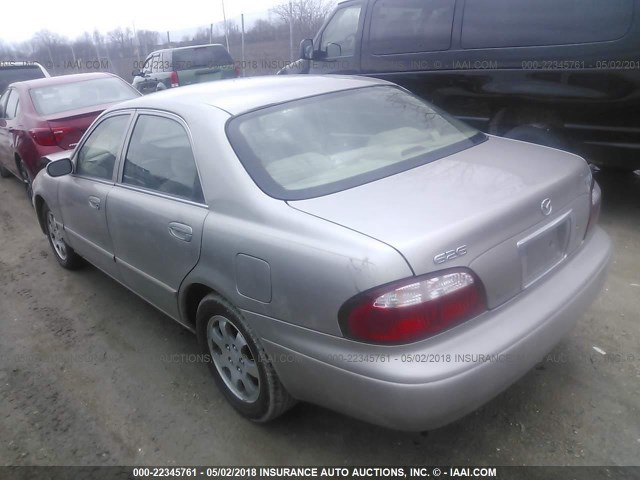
[160, 158]
[327, 143]
[411, 26]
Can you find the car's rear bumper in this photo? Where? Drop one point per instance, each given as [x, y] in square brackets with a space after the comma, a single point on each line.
[433, 382]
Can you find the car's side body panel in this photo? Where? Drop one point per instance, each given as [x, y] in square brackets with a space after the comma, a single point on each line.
[151, 260]
[83, 204]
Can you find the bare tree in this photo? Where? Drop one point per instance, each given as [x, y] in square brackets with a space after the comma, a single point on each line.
[83, 47]
[52, 44]
[6, 52]
[121, 41]
[201, 37]
[148, 40]
[306, 16]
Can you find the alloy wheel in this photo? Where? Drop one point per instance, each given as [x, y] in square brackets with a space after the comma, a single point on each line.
[55, 235]
[233, 358]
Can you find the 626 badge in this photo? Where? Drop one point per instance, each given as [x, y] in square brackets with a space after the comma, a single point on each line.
[450, 255]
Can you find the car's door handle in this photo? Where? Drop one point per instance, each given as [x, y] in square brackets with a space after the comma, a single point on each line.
[94, 202]
[181, 231]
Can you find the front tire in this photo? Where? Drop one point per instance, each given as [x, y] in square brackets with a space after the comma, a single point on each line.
[65, 255]
[4, 173]
[238, 362]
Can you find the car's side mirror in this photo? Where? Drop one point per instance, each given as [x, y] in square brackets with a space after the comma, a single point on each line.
[59, 168]
[137, 73]
[334, 50]
[306, 49]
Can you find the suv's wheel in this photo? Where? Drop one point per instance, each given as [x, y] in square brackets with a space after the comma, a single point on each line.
[64, 254]
[4, 173]
[239, 364]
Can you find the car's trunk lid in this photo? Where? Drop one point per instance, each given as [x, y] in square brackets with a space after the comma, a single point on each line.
[487, 199]
[68, 127]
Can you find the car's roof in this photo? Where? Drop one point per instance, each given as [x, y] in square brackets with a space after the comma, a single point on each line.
[62, 79]
[245, 94]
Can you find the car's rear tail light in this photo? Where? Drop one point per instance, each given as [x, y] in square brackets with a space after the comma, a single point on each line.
[413, 309]
[174, 79]
[596, 204]
[49, 137]
[44, 137]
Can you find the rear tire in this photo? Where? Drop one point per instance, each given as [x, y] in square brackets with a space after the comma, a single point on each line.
[4, 173]
[26, 178]
[65, 255]
[239, 364]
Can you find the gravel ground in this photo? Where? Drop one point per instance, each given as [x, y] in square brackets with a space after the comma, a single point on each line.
[87, 377]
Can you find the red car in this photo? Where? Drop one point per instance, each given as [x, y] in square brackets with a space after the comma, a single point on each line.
[47, 115]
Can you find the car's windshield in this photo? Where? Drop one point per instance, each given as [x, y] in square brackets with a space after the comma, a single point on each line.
[332, 142]
[77, 95]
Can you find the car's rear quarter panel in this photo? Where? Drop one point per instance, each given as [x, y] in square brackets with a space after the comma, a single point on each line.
[314, 265]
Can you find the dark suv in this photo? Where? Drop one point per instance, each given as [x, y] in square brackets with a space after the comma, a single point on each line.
[175, 67]
[562, 73]
[17, 71]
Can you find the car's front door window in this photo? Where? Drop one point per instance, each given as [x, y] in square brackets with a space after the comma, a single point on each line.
[339, 37]
[97, 156]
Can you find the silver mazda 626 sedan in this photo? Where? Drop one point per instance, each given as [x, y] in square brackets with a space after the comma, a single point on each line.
[334, 240]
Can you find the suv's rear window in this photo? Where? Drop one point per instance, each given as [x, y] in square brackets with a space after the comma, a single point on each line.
[16, 73]
[521, 23]
[201, 57]
[328, 143]
[77, 95]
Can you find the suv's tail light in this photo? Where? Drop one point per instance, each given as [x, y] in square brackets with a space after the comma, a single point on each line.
[413, 309]
[173, 78]
[596, 203]
[237, 70]
[48, 137]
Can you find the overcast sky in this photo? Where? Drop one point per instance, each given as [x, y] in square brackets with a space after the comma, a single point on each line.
[71, 18]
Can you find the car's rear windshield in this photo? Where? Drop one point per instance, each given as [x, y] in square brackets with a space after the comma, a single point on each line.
[79, 95]
[201, 57]
[328, 143]
[16, 73]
